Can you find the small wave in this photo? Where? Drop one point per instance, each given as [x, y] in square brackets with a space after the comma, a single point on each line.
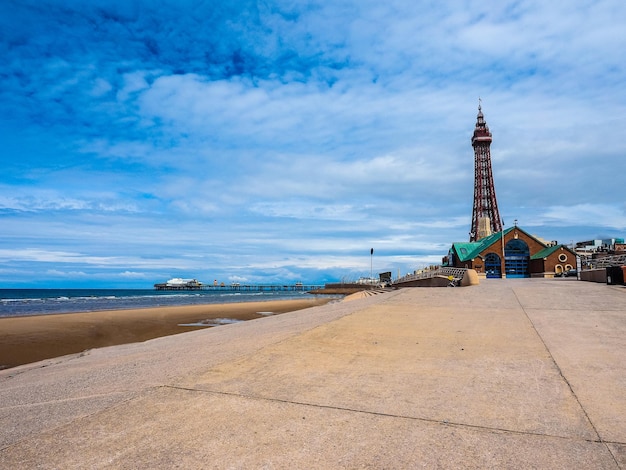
[22, 300]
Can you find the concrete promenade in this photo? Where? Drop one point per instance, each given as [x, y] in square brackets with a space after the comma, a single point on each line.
[516, 373]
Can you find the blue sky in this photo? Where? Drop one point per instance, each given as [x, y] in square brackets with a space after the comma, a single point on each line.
[279, 141]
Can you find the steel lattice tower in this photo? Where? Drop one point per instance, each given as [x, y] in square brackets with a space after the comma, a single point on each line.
[485, 215]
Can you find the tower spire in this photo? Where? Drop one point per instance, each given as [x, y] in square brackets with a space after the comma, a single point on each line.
[485, 215]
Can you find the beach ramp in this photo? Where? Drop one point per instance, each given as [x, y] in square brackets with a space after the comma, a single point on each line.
[519, 373]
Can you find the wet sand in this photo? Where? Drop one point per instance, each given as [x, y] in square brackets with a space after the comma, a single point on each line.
[33, 338]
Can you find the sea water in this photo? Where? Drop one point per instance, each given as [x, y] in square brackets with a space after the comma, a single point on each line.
[20, 302]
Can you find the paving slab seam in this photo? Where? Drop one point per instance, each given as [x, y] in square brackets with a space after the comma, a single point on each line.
[6, 374]
[569, 385]
[76, 418]
[65, 400]
[389, 415]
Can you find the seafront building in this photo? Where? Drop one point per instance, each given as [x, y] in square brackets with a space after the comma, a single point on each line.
[512, 253]
[492, 251]
[595, 248]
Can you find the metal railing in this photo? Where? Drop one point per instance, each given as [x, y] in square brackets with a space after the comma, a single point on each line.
[456, 273]
[606, 261]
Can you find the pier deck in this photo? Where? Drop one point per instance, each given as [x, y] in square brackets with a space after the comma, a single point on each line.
[244, 288]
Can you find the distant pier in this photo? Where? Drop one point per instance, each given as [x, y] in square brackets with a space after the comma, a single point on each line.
[241, 287]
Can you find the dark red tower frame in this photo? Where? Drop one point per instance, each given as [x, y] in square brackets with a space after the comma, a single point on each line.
[485, 204]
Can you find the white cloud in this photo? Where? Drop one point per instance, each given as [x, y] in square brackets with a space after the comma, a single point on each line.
[601, 215]
[66, 274]
[53, 201]
[134, 82]
[133, 275]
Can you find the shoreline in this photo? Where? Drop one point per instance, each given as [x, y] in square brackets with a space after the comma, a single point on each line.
[31, 338]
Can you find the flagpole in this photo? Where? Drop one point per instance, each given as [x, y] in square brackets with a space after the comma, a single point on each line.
[371, 265]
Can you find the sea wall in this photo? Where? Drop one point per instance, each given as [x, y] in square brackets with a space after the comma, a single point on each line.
[593, 275]
[436, 281]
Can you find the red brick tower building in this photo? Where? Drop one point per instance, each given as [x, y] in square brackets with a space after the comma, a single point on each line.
[485, 215]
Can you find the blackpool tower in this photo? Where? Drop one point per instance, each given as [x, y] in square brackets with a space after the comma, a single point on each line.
[485, 215]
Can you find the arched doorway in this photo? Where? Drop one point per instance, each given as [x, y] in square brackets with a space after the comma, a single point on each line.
[516, 257]
[493, 266]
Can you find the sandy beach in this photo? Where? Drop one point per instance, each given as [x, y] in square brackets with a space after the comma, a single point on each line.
[33, 338]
